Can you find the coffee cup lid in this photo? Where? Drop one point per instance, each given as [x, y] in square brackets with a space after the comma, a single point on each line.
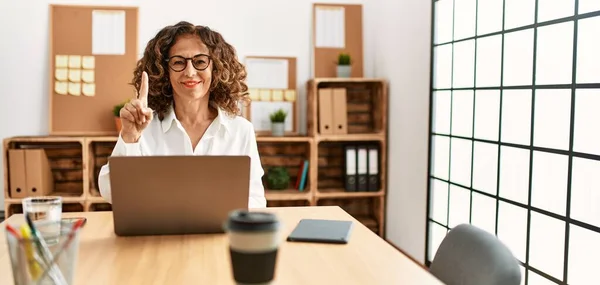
[251, 221]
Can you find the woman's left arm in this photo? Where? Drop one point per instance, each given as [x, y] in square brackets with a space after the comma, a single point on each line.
[257, 190]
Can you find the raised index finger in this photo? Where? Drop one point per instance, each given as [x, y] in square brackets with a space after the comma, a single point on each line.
[143, 95]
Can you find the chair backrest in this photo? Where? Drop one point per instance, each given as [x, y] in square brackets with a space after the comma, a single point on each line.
[471, 256]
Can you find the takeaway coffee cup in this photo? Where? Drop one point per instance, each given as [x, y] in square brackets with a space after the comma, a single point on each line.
[253, 246]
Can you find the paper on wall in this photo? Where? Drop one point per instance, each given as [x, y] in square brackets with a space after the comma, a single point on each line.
[87, 76]
[261, 111]
[290, 95]
[61, 74]
[264, 95]
[266, 73]
[253, 94]
[88, 62]
[61, 87]
[74, 61]
[61, 61]
[74, 75]
[88, 89]
[75, 88]
[277, 95]
[108, 32]
[330, 27]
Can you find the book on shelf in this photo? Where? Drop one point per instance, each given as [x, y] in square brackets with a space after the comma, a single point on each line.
[302, 175]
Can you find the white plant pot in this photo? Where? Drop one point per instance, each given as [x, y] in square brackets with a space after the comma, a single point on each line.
[344, 71]
[278, 129]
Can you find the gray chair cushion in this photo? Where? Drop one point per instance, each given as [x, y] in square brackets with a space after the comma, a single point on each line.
[471, 256]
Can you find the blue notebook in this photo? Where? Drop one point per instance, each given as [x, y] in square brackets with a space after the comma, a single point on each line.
[321, 231]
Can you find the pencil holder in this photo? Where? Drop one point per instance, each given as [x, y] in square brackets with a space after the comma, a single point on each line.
[33, 261]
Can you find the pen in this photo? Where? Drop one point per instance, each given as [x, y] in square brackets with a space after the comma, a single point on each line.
[78, 224]
[34, 268]
[13, 231]
[45, 254]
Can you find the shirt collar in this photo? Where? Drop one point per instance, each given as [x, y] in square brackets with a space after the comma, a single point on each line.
[222, 119]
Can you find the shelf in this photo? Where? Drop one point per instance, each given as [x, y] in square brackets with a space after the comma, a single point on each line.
[288, 194]
[99, 149]
[95, 199]
[76, 160]
[67, 198]
[289, 203]
[342, 193]
[61, 157]
[291, 156]
[346, 80]
[284, 139]
[366, 105]
[331, 173]
[352, 137]
[103, 139]
[98, 207]
[51, 139]
[369, 222]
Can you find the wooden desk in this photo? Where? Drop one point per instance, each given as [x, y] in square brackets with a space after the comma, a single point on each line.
[204, 259]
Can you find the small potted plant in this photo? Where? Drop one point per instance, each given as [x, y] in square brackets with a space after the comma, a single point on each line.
[278, 123]
[344, 67]
[116, 113]
[278, 178]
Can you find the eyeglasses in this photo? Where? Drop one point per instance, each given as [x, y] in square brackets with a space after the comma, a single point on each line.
[179, 63]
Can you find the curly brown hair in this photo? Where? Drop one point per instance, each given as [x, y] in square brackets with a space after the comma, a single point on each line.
[228, 85]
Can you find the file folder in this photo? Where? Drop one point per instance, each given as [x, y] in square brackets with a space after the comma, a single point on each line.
[350, 173]
[373, 170]
[325, 107]
[362, 184]
[340, 114]
[16, 170]
[39, 175]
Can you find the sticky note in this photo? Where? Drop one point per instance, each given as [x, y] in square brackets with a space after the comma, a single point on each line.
[88, 89]
[74, 61]
[61, 87]
[290, 95]
[88, 62]
[265, 95]
[61, 61]
[87, 76]
[74, 75]
[75, 88]
[253, 94]
[277, 95]
[61, 74]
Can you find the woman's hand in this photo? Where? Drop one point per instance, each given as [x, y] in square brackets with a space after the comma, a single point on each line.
[135, 115]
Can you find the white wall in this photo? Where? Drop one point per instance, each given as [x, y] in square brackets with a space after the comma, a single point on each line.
[247, 25]
[402, 55]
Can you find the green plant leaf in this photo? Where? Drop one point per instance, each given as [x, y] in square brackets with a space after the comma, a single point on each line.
[278, 178]
[344, 59]
[278, 116]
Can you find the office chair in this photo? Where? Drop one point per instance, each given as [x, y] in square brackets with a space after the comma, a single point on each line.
[471, 256]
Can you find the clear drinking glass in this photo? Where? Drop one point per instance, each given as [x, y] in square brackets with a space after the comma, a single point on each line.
[45, 212]
[36, 263]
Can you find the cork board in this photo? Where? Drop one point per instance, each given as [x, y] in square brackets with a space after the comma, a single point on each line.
[272, 91]
[329, 42]
[93, 52]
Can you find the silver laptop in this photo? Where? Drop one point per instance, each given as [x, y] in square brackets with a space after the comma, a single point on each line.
[167, 195]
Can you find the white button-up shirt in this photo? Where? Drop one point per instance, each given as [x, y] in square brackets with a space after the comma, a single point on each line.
[225, 136]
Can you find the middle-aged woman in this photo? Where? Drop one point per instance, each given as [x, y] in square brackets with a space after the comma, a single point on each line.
[189, 83]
